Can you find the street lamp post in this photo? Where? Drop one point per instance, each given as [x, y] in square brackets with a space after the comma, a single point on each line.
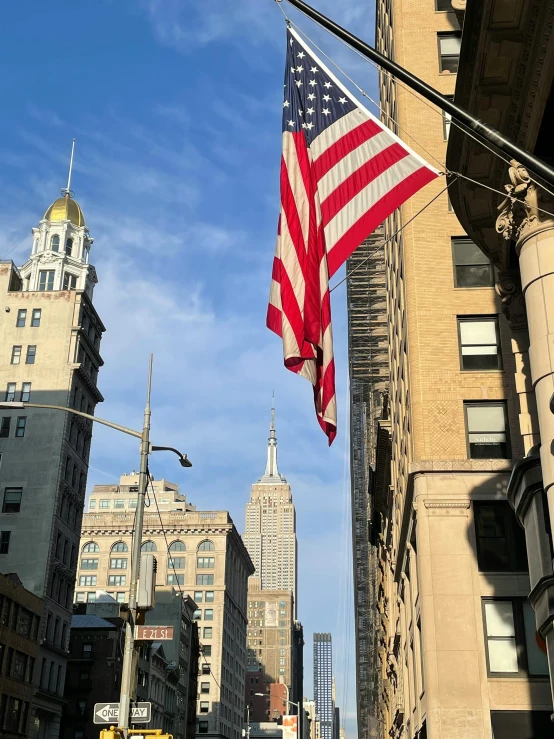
[128, 675]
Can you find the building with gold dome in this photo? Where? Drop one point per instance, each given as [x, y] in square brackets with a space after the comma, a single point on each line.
[50, 337]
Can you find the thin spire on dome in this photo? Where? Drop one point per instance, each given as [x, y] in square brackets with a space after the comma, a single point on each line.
[67, 190]
[271, 474]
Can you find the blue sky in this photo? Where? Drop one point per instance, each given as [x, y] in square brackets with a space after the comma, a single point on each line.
[176, 108]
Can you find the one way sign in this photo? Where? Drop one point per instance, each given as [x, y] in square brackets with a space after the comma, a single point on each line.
[108, 713]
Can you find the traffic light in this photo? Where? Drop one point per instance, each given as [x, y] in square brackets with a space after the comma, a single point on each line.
[111, 733]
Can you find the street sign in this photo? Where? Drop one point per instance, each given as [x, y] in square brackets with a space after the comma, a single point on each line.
[154, 633]
[108, 713]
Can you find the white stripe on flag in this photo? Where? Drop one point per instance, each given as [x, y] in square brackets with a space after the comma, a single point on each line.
[351, 162]
[336, 131]
[361, 203]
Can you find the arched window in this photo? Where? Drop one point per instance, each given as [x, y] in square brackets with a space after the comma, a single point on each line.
[206, 546]
[91, 546]
[69, 247]
[148, 546]
[120, 546]
[55, 243]
[177, 546]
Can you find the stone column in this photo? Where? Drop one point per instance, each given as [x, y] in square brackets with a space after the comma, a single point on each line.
[522, 220]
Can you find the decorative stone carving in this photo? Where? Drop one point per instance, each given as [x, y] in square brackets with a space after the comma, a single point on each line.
[47, 257]
[508, 288]
[522, 213]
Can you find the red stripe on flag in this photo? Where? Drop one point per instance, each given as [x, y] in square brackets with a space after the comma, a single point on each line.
[344, 146]
[376, 215]
[294, 225]
[274, 320]
[359, 179]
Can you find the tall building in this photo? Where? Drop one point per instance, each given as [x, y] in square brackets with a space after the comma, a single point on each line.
[457, 651]
[50, 337]
[207, 560]
[270, 534]
[323, 683]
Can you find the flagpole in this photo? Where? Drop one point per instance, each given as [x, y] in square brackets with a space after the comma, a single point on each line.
[528, 160]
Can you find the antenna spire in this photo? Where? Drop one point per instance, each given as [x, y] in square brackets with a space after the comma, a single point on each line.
[67, 190]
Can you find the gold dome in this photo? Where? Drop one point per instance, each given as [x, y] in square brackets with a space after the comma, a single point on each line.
[65, 209]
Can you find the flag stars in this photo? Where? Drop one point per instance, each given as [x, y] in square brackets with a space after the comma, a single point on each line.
[309, 126]
[342, 101]
[326, 97]
[311, 96]
[299, 69]
[327, 85]
[326, 111]
[286, 104]
[313, 83]
[313, 70]
[301, 55]
[297, 83]
[291, 124]
[311, 111]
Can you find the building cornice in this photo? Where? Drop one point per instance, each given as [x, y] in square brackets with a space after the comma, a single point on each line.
[504, 78]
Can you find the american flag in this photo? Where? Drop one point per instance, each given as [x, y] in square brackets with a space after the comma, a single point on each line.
[342, 174]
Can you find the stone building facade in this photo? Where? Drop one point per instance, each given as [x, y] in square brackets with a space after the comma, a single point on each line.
[50, 337]
[207, 561]
[457, 648]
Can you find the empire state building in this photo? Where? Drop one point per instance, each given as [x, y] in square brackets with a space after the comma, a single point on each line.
[271, 525]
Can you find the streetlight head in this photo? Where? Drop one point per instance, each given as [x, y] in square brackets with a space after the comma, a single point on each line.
[11, 404]
[260, 694]
[185, 461]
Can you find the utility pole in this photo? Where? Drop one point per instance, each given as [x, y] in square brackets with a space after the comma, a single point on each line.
[129, 671]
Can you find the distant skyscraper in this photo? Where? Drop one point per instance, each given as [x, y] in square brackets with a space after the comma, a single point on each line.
[270, 535]
[323, 683]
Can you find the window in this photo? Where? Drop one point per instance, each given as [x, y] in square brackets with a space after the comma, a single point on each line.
[209, 614]
[500, 539]
[118, 563]
[31, 354]
[204, 687]
[449, 51]
[46, 280]
[119, 504]
[120, 546]
[207, 650]
[20, 426]
[79, 597]
[209, 593]
[446, 120]
[55, 243]
[87, 581]
[5, 427]
[5, 541]
[91, 504]
[177, 546]
[120, 597]
[198, 596]
[519, 724]
[89, 564]
[479, 343]
[117, 580]
[16, 355]
[10, 391]
[206, 668]
[486, 430]
[204, 706]
[91, 597]
[202, 727]
[177, 563]
[21, 317]
[91, 546]
[173, 579]
[12, 500]
[26, 392]
[197, 615]
[205, 562]
[471, 267]
[510, 634]
[204, 580]
[69, 247]
[104, 503]
[69, 281]
[206, 546]
[148, 546]
[87, 651]
[35, 318]
[207, 632]
[133, 504]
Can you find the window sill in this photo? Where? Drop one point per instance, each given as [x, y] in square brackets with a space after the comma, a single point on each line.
[483, 371]
[476, 287]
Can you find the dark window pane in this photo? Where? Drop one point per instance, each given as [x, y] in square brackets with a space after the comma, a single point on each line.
[443, 5]
[521, 724]
[473, 276]
[500, 539]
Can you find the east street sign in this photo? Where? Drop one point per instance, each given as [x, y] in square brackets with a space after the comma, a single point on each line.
[154, 633]
[108, 713]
